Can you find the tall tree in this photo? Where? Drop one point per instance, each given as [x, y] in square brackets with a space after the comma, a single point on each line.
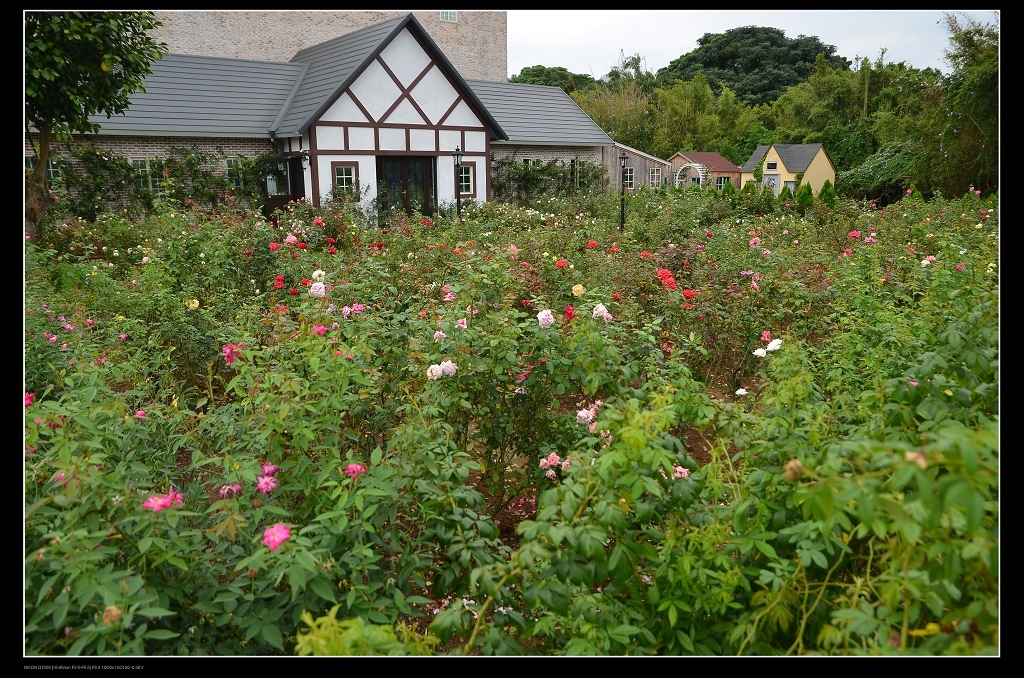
[970, 140]
[79, 64]
[554, 76]
[757, 63]
[624, 111]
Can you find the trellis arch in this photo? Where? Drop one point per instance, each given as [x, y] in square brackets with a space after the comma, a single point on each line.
[682, 173]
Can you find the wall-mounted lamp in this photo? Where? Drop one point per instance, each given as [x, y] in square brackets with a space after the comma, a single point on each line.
[457, 157]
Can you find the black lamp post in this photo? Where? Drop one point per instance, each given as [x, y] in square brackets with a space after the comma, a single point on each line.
[457, 156]
[622, 193]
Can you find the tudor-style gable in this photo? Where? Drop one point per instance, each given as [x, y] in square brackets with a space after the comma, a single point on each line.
[375, 96]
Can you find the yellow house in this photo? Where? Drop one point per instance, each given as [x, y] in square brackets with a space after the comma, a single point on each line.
[783, 162]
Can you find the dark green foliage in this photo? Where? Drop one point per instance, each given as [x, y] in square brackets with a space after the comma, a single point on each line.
[93, 182]
[827, 194]
[883, 175]
[78, 64]
[758, 63]
[805, 197]
[556, 76]
[521, 183]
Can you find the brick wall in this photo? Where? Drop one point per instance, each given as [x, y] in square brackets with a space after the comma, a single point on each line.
[477, 45]
[548, 153]
[151, 147]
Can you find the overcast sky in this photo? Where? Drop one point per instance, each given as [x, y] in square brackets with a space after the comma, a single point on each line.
[591, 41]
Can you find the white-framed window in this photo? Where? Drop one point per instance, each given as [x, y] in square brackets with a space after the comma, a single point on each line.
[52, 173]
[628, 178]
[146, 177]
[467, 180]
[720, 182]
[791, 185]
[771, 165]
[450, 16]
[233, 173]
[278, 180]
[655, 178]
[346, 177]
[531, 162]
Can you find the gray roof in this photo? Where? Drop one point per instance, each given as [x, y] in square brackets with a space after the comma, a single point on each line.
[539, 114]
[755, 159]
[207, 96]
[796, 157]
[218, 96]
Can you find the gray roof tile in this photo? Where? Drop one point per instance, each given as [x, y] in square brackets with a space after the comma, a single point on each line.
[206, 96]
[538, 114]
[796, 157]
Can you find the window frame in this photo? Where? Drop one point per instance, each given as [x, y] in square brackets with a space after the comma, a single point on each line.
[470, 170]
[449, 16]
[651, 181]
[629, 178]
[720, 182]
[574, 172]
[236, 179]
[145, 178]
[52, 171]
[335, 165]
[772, 165]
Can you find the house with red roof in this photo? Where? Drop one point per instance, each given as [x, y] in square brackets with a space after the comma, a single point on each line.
[704, 168]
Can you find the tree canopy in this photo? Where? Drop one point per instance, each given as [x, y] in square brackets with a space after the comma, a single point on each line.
[758, 63]
[79, 64]
[556, 76]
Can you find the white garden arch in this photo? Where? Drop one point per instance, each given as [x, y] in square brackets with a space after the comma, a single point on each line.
[683, 175]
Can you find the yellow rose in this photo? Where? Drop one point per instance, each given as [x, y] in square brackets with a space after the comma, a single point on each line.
[577, 290]
[193, 304]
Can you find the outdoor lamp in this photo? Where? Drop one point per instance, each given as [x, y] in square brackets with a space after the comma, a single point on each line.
[622, 193]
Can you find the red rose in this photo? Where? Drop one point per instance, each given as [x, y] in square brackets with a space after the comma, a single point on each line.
[591, 244]
[689, 294]
[331, 241]
[293, 291]
[303, 245]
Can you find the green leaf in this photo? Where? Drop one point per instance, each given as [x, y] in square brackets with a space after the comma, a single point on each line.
[765, 548]
[161, 634]
[154, 612]
[323, 589]
[272, 635]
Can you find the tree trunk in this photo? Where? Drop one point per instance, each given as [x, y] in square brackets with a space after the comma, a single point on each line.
[37, 197]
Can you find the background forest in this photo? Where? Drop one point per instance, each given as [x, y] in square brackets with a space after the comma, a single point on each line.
[885, 125]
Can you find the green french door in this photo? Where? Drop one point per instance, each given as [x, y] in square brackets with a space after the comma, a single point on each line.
[407, 184]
